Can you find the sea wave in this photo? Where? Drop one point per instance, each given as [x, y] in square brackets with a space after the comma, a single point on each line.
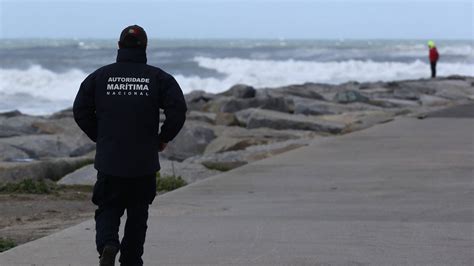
[59, 89]
[41, 82]
[271, 73]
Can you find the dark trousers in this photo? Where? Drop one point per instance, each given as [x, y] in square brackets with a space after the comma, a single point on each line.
[433, 69]
[113, 195]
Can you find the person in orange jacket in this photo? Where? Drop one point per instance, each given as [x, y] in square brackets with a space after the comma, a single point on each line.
[434, 56]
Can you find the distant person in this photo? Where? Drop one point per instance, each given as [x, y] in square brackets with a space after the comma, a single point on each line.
[118, 107]
[434, 56]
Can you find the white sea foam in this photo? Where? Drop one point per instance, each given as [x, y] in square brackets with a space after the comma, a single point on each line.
[270, 73]
[40, 82]
[60, 88]
[37, 90]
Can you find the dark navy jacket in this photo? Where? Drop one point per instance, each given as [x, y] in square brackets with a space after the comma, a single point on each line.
[117, 106]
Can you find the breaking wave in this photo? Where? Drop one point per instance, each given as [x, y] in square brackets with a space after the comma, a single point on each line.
[36, 85]
[272, 73]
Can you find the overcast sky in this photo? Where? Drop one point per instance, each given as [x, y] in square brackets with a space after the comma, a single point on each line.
[239, 19]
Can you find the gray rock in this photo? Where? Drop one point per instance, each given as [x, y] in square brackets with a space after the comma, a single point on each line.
[86, 175]
[453, 93]
[226, 119]
[215, 105]
[6, 131]
[256, 118]
[354, 121]
[262, 135]
[350, 96]
[18, 124]
[10, 153]
[232, 159]
[199, 95]
[196, 100]
[201, 116]
[52, 169]
[240, 91]
[191, 140]
[406, 94]
[83, 150]
[191, 172]
[10, 114]
[40, 146]
[223, 143]
[307, 90]
[66, 113]
[431, 86]
[393, 103]
[41, 137]
[244, 115]
[316, 107]
[430, 100]
[280, 104]
[378, 92]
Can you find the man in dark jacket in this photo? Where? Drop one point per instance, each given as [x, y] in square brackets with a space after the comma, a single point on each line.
[118, 107]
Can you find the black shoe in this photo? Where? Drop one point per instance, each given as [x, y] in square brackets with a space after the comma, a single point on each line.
[108, 256]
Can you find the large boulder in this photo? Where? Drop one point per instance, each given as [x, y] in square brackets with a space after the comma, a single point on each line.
[83, 150]
[307, 90]
[196, 100]
[432, 86]
[354, 121]
[198, 95]
[350, 96]
[240, 91]
[233, 159]
[316, 107]
[223, 143]
[201, 116]
[86, 175]
[280, 104]
[191, 172]
[256, 118]
[244, 115]
[9, 114]
[44, 137]
[6, 131]
[226, 119]
[378, 92]
[215, 105]
[431, 100]
[10, 153]
[42, 169]
[16, 124]
[66, 113]
[406, 94]
[393, 103]
[239, 138]
[454, 93]
[39, 146]
[190, 141]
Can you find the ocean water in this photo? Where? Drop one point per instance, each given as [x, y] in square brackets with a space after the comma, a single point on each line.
[42, 76]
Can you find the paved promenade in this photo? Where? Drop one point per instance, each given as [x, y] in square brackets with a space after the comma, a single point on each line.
[396, 194]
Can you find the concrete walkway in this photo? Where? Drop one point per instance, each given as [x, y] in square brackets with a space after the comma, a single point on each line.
[396, 194]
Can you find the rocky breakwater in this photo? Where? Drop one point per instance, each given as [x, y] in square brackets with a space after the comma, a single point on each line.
[229, 129]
